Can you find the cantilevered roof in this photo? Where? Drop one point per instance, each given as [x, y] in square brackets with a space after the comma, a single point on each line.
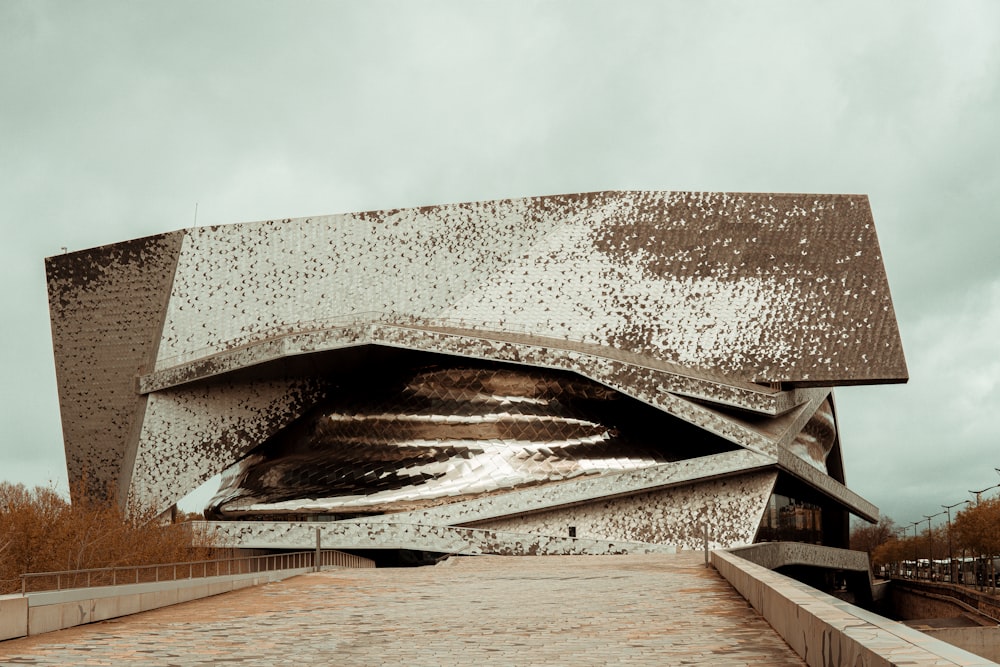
[758, 287]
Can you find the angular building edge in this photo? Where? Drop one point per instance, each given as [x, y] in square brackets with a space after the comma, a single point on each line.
[152, 424]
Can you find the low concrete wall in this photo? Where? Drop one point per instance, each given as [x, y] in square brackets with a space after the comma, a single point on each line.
[981, 641]
[914, 605]
[773, 555]
[988, 605]
[13, 616]
[827, 631]
[36, 613]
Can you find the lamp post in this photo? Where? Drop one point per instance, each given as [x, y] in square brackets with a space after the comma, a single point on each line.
[930, 547]
[916, 564]
[951, 557]
[899, 534]
[979, 493]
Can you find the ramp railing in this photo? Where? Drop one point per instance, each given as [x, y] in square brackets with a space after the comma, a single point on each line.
[34, 582]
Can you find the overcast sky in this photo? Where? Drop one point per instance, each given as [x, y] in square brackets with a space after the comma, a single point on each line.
[117, 118]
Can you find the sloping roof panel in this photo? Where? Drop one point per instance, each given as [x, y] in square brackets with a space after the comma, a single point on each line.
[758, 287]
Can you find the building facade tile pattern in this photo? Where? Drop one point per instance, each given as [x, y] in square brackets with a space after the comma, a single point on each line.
[107, 307]
[583, 490]
[735, 313]
[187, 432]
[361, 534]
[762, 287]
[728, 509]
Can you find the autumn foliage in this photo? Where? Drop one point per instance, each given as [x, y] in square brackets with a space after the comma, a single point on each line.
[978, 528]
[973, 541]
[40, 531]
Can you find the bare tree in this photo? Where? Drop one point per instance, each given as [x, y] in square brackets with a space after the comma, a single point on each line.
[869, 536]
[41, 531]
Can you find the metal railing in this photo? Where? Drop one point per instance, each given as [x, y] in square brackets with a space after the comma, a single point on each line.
[34, 582]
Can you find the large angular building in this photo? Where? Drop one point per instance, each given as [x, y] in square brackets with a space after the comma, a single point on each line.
[590, 373]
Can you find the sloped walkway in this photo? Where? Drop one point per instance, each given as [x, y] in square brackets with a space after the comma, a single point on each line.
[551, 610]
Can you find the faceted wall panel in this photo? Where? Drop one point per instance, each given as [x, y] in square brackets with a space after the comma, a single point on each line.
[761, 287]
[362, 534]
[294, 275]
[107, 307]
[187, 433]
[731, 508]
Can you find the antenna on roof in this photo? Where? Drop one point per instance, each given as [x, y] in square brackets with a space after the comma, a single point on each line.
[196, 214]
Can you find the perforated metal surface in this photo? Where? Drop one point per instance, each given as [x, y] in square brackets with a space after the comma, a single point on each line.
[760, 287]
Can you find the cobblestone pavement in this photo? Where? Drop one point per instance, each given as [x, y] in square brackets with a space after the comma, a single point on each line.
[552, 610]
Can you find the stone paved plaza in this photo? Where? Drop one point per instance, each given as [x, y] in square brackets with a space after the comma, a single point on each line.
[551, 610]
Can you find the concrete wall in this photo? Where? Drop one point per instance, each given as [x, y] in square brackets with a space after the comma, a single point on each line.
[13, 616]
[979, 601]
[773, 555]
[910, 605]
[827, 631]
[36, 613]
[981, 641]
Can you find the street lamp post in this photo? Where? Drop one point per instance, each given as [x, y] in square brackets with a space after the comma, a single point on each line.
[951, 556]
[979, 493]
[899, 534]
[930, 547]
[916, 564]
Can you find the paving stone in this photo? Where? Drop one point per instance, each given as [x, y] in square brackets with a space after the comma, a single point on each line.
[662, 609]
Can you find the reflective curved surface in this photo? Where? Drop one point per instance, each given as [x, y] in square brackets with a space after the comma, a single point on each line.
[816, 440]
[436, 434]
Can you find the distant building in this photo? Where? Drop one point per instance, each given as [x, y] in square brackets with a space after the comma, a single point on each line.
[599, 372]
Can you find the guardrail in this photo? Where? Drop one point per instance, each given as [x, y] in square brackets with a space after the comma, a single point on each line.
[34, 582]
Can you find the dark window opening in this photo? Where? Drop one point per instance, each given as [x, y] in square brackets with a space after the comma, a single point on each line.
[790, 520]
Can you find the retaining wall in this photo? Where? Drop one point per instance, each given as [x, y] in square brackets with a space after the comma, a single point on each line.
[46, 611]
[984, 603]
[827, 631]
[981, 641]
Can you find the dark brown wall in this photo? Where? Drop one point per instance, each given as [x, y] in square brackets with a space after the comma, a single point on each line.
[107, 307]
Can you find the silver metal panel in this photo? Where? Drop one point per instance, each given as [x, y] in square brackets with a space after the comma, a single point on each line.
[445, 539]
[187, 435]
[107, 307]
[729, 509]
[578, 491]
[758, 287]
